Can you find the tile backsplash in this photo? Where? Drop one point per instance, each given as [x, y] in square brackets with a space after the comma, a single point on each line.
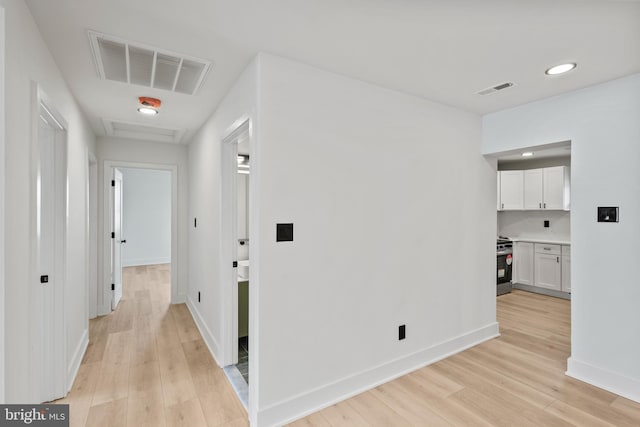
[530, 224]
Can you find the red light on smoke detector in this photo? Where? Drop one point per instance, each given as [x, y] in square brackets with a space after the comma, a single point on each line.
[150, 102]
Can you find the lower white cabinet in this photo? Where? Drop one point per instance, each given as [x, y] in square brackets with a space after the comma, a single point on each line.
[523, 263]
[548, 269]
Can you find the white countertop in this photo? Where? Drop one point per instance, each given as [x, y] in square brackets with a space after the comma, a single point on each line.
[551, 241]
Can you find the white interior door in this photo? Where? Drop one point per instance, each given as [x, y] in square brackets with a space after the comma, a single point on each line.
[116, 238]
[47, 344]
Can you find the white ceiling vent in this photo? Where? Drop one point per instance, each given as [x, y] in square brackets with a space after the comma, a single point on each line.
[127, 62]
[119, 129]
[495, 88]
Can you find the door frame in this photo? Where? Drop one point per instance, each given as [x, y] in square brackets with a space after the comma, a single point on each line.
[104, 297]
[92, 235]
[2, 184]
[57, 349]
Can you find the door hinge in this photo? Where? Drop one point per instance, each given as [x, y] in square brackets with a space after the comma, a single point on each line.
[113, 286]
[113, 235]
[235, 264]
[113, 182]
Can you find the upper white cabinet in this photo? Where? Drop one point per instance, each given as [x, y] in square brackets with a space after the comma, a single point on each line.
[556, 189]
[511, 197]
[498, 179]
[535, 189]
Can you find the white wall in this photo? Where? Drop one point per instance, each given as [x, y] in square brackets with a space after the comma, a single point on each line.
[602, 123]
[2, 184]
[27, 60]
[530, 224]
[146, 218]
[132, 151]
[206, 259]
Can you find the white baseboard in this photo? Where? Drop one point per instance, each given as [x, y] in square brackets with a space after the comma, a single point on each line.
[207, 336]
[321, 397]
[146, 261]
[76, 360]
[610, 381]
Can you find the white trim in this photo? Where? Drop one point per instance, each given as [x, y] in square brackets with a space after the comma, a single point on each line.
[76, 360]
[602, 378]
[92, 235]
[2, 186]
[321, 397]
[104, 297]
[145, 261]
[207, 336]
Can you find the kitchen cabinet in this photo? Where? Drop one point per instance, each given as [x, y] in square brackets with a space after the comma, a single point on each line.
[546, 188]
[566, 268]
[556, 193]
[498, 180]
[523, 263]
[511, 191]
[534, 189]
[548, 268]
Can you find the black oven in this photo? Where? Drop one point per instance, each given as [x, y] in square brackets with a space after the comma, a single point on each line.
[504, 251]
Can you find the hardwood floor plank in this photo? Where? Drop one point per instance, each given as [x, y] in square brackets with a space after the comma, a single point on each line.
[221, 407]
[375, 412]
[177, 384]
[110, 414]
[186, 414]
[343, 415]
[575, 416]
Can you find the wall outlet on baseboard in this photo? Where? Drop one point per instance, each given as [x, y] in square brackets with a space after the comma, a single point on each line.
[402, 332]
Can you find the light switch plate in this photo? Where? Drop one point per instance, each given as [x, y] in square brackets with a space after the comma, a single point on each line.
[608, 214]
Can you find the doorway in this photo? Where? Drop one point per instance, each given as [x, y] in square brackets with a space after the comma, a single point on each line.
[140, 225]
[47, 329]
[239, 284]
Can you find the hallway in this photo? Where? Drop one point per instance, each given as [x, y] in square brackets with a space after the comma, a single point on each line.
[147, 365]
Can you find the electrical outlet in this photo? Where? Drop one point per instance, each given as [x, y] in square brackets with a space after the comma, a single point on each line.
[198, 296]
[402, 332]
[546, 223]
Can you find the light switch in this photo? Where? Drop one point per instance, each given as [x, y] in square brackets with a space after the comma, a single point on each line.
[607, 214]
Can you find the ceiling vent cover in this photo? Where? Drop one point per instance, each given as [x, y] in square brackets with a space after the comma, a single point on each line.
[133, 63]
[495, 88]
[129, 130]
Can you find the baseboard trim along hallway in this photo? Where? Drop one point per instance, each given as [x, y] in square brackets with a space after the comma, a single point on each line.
[607, 380]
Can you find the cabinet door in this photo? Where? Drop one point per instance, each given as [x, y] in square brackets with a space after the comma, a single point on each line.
[533, 189]
[554, 188]
[523, 263]
[511, 190]
[566, 273]
[498, 179]
[548, 271]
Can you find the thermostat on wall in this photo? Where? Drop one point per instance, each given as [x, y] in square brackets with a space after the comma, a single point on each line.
[607, 214]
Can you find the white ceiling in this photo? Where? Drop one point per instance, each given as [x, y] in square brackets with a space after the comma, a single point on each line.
[442, 50]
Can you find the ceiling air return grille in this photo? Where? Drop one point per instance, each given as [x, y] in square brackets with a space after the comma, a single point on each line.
[119, 129]
[126, 62]
[495, 88]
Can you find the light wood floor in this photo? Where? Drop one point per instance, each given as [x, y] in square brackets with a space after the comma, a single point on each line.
[515, 380]
[147, 365]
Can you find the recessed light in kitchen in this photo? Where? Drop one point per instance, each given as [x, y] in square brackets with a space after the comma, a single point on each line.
[527, 154]
[560, 69]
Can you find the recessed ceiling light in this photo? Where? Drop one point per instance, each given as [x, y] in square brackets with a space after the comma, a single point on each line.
[560, 69]
[527, 154]
[148, 111]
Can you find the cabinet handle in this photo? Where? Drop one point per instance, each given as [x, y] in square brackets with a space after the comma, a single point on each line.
[545, 206]
[503, 206]
[558, 259]
[547, 249]
[540, 205]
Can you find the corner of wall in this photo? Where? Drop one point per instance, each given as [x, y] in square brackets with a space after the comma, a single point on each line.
[76, 359]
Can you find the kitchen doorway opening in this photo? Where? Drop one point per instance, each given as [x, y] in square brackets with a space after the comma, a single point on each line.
[533, 224]
[140, 228]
